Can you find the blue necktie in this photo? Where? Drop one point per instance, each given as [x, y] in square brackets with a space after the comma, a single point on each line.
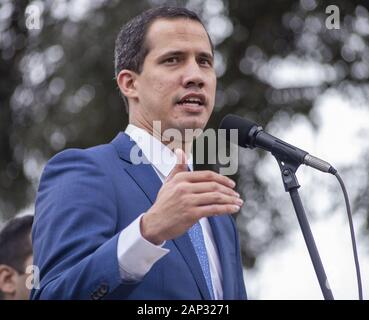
[197, 239]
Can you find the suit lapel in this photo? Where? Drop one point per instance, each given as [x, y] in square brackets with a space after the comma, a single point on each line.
[146, 178]
[143, 174]
[185, 247]
[149, 182]
[226, 263]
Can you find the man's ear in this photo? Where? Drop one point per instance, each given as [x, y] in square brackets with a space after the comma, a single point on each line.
[126, 80]
[7, 279]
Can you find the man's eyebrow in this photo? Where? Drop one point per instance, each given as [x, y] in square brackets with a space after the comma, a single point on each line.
[206, 55]
[179, 53]
[171, 53]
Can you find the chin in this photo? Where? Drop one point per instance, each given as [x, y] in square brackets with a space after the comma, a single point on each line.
[194, 123]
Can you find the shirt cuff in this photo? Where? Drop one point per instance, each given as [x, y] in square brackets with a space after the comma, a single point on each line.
[136, 255]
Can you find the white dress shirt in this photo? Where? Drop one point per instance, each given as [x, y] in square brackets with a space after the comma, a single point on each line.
[136, 255]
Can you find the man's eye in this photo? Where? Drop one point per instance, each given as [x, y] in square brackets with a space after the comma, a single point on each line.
[171, 60]
[205, 62]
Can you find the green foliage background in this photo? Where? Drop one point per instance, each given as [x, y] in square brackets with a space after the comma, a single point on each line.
[57, 86]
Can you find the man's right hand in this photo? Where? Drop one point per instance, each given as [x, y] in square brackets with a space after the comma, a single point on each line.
[185, 198]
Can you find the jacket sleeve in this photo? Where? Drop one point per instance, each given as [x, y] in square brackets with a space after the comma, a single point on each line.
[74, 234]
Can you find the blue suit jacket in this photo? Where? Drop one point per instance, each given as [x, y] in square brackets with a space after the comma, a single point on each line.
[85, 198]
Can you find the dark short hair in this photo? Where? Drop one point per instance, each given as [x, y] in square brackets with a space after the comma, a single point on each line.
[130, 45]
[15, 242]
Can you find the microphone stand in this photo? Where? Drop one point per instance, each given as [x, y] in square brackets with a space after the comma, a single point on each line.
[291, 185]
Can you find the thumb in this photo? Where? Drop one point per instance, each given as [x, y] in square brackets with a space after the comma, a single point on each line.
[181, 164]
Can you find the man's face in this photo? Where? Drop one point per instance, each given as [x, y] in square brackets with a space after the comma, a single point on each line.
[178, 82]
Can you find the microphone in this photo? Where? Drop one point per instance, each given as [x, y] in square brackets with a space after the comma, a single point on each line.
[251, 135]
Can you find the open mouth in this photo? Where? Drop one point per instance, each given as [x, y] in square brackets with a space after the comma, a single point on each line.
[192, 100]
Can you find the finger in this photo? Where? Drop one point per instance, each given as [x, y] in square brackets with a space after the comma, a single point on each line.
[217, 209]
[212, 186]
[210, 198]
[181, 164]
[204, 176]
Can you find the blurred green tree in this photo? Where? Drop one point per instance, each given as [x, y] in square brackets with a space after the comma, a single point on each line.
[57, 86]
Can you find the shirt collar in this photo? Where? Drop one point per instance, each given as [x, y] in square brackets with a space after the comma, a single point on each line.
[158, 154]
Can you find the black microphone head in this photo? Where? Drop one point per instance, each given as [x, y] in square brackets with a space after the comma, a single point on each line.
[244, 127]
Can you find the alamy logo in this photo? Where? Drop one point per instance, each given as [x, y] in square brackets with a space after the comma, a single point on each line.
[333, 20]
[33, 17]
[216, 147]
[33, 280]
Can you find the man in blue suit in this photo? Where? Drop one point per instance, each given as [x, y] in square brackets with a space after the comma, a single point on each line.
[109, 227]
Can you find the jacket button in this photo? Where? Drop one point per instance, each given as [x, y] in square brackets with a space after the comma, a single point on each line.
[103, 289]
[95, 296]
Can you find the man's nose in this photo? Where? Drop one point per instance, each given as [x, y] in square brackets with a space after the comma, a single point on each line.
[193, 76]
